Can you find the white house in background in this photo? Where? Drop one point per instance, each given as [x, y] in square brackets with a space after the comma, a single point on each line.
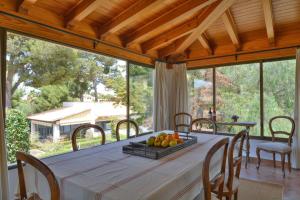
[60, 123]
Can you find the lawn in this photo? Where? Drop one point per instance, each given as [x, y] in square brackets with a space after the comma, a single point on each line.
[50, 148]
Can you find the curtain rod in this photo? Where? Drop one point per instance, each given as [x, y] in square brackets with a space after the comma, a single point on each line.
[95, 40]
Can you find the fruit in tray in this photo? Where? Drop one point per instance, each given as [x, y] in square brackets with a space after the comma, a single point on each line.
[165, 140]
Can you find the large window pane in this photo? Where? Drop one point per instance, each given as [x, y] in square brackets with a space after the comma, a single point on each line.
[279, 92]
[237, 93]
[141, 96]
[52, 89]
[200, 85]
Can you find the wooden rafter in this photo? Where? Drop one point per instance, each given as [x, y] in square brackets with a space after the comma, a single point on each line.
[168, 50]
[205, 44]
[209, 19]
[24, 5]
[231, 29]
[81, 11]
[268, 14]
[128, 16]
[171, 17]
[179, 31]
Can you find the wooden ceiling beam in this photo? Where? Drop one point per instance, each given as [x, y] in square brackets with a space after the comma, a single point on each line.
[205, 44]
[231, 29]
[173, 16]
[168, 50]
[269, 20]
[81, 11]
[179, 31]
[209, 19]
[23, 6]
[129, 16]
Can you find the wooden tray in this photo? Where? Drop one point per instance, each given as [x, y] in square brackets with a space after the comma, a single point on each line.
[143, 150]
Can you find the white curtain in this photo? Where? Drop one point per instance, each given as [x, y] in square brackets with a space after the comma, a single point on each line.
[3, 160]
[178, 95]
[170, 94]
[296, 138]
[161, 106]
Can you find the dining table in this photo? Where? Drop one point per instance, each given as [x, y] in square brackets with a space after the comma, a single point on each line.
[104, 172]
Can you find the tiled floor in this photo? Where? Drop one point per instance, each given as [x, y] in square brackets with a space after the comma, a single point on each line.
[267, 173]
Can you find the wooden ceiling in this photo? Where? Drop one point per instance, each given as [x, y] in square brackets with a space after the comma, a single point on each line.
[172, 30]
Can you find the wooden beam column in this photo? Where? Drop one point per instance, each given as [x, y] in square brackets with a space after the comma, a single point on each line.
[179, 31]
[268, 14]
[129, 16]
[81, 11]
[231, 29]
[211, 18]
[204, 42]
[169, 18]
[24, 5]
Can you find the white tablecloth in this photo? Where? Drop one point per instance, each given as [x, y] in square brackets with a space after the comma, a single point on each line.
[106, 173]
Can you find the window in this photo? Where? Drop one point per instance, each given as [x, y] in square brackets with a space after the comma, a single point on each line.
[52, 89]
[279, 92]
[141, 96]
[200, 84]
[238, 93]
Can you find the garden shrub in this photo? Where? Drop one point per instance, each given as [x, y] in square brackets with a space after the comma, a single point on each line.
[17, 134]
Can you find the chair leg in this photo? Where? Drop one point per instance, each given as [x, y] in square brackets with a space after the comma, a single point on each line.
[236, 195]
[282, 163]
[258, 158]
[289, 162]
[274, 159]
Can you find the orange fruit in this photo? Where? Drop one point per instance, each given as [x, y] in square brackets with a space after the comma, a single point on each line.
[176, 135]
[180, 141]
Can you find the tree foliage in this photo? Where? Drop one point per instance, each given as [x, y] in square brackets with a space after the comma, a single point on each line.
[17, 134]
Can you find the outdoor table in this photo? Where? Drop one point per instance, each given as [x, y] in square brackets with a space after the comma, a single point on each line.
[106, 173]
[247, 125]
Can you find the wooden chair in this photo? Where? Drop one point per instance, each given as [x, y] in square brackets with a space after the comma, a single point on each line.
[278, 147]
[85, 127]
[203, 125]
[44, 169]
[234, 166]
[216, 183]
[182, 116]
[127, 122]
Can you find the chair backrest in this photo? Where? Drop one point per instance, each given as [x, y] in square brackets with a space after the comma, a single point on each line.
[85, 127]
[235, 162]
[40, 166]
[217, 182]
[185, 121]
[203, 125]
[289, 134]
[128, 122]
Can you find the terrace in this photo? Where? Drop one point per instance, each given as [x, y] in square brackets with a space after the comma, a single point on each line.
[83, 79]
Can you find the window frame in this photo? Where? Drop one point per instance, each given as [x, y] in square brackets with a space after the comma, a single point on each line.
[261, 91]
[128, 62]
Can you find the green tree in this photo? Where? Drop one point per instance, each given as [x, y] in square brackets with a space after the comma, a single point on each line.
[95, 69]
[17, 134]
[37, 63]
[49, 97]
